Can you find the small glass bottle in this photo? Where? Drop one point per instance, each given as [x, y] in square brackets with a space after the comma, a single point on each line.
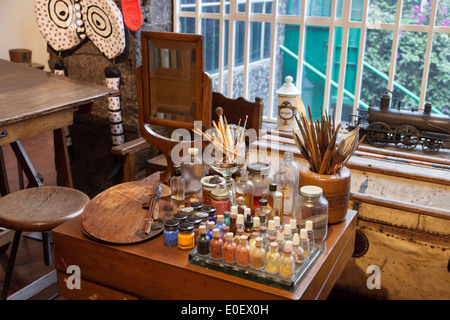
[280, 240]
[287, 232]
[241, 205]
[312, 205]
[211, 211]
[287, 178]
[310, 230]
[216, 245]
[259, 174]
[262, 219]
[237, 237]
[192, 173]
[299, 253]
[252, 240]
[271, 239]
[245, 188]
[240, 221]
[273, 259]
[288, 245]
[263, 234]
[304, 242]
[226, 218]
[219, 223]
[209, 231]
[263, 209]
[258, 255]
[195, 221]
[294, 227]
[248, 222]
[223, 233]
[185, 236]
[233, 217]
[274, 200]
[177, 188]
[256, 224]
[171, 233]
[271, 231]
[287, 264]
[229, 249]
[243, 252]
[220, 199]
[203, 242]
[277, 220]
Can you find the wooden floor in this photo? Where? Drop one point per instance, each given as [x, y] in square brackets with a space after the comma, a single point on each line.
[30, 265]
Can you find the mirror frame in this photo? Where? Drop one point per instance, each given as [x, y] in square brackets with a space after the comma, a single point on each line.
[180, 38]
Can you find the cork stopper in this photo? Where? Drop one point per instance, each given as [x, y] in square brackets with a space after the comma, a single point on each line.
[202, 229]
[280, 235]
[229, 236]
[303, 234]
[216, 232]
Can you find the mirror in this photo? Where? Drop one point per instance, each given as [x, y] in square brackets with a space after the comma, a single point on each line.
[172, 79]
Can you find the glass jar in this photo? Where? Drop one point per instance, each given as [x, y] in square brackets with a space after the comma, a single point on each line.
[192, 172]
[287, 178]
[171, 233]
[229, 249]
[304, 242]
[203, 216]
[313, 206]
[258, 255]
[203, 242]
[243, 252]
[211, 211]
[287, 263]
[186, 236]
[196, 207]
[273, 259]
[195, 221]
[245, 188]
[299, 253]
[259, 175]
[220, 199]
[177, 188]
[209, 183]
[216, 245]
[180, 217]
[274, 200]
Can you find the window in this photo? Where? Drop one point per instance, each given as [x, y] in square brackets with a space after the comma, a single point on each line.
[340, 53]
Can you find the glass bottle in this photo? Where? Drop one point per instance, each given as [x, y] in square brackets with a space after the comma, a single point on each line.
[196, 207]
[248, 222]
[274, 200]
[287, 264]
[264, 209]
[245, 188]
[211, 211]
[192, 173]
[241, 205]
[310, 231]
[259, 174]
[270, 239]
[280, 240]
[219, 223]
[186, 236]
[177, 188]
[195, 221]
[273, 259]
[233, 217]
[243, 252]
[220, 199]
[223, 232]
[237, 237]
[304, 242]
[252, 240]
[277, 222]
[287, 178]
[313, 206]
[171, 233]
[263, 234]
[209, 183]
[262, 219]
[271, 231]
[287, 232]
[258, 255]
[294, 227]
[240, 221]
[216, 245]
[226, 218]
[209, 231]
[299, 253]
[203, 242]
[256, 224]
[229, 249]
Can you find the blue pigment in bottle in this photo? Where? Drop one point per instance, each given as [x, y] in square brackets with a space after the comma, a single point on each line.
[171, 233]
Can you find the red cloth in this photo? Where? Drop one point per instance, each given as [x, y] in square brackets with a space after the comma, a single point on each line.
[132, 14]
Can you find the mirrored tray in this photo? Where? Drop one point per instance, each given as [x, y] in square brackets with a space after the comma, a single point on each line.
[257, 275]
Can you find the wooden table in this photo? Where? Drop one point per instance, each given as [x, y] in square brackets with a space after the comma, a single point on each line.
[151, 270]
[34, 101]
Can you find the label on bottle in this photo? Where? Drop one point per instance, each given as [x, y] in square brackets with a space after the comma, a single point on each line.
[287, 198]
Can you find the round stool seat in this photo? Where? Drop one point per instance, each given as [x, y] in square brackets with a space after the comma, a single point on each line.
[40, 208]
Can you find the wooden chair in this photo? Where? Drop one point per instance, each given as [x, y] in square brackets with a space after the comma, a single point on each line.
[234, 109]
[37, 209]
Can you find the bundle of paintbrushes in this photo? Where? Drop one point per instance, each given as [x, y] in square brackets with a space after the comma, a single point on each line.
[226, 139]
[316, 141]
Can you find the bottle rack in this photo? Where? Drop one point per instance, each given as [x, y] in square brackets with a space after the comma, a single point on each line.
[260, 276]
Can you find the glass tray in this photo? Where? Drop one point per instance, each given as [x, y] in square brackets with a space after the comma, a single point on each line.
[257, 275]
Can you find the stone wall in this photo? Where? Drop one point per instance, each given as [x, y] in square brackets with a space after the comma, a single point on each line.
[93, 166]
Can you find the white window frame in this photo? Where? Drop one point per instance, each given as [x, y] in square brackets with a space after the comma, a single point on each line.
[303, 20]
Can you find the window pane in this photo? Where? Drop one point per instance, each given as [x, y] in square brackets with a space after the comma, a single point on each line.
[416, 12]
[376, 64]
[187, 25]
[238, 70]
[210, 30]
[382, 11]
[211, 6]
[187, 5]
[443, 14]
[240, 5]
[439, 73]
[319, 8]
[289, 7]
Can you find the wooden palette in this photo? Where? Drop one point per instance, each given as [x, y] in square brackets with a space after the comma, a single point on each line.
[117, 215]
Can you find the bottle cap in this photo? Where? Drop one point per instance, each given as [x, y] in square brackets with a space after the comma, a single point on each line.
[247, 211]
[273, 186]
[196, 205]
[271, 225]
[287, 250]
[234, 209]
[256, 222]
[280, 235]
[287, 229]
[171, 224]
[277, 221]
[258, 241]
[202, 228]
[296, 239]
[225, 229]
[293, 223]
[271, 238]
[185, 226]
[243, 238]
[311, 191]
[194, 220]
[216, 232]
[255, 234]
[211, 224]
[229, 236]
[210, 210]
[263, 228]
[226, 213]
[308, 225]
[220, 217]
[303, 234]
[274, 244]
[240, 231]
[262, 202]
[240, 219]
[262, 217]
[288, 245]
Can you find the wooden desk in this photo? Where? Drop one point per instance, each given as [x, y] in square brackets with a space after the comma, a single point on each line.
[33, 101]
[151, 270]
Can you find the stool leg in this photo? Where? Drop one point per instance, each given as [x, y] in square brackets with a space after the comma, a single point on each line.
[11, 262]
[46, 247]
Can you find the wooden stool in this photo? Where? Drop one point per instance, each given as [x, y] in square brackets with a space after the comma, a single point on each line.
[37, 209]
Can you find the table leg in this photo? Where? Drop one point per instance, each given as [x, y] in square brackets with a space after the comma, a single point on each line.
[4, 185]
[25, 162]
[62, 158]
